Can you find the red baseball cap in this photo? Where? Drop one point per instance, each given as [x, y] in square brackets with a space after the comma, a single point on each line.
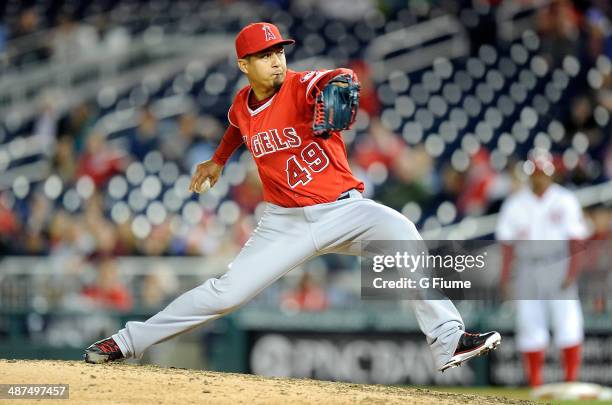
[257, 37]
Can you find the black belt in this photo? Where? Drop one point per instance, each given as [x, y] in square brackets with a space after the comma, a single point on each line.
[344, 196]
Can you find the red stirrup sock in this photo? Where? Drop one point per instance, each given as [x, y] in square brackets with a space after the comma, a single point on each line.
[571, 362]
[533, 367]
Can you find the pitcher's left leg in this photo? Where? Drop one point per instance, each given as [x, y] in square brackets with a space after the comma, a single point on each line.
[340, 228]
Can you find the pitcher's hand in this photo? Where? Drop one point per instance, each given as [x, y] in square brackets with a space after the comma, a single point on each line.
[205, 170]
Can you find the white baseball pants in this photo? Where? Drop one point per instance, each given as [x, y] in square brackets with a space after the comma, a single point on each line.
[558, 307]
[284, 239]
[534, 316]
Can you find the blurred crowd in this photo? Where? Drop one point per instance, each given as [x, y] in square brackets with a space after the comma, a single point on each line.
[125, 196]
[66, 40]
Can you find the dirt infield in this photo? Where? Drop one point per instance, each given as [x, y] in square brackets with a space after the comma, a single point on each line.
[128, 384]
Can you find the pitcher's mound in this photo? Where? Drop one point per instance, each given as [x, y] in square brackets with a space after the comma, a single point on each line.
[126, 384]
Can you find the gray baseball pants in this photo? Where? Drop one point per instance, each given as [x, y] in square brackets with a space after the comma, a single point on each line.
[284, 239]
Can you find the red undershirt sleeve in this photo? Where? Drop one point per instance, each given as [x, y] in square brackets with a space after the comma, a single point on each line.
[232, 139]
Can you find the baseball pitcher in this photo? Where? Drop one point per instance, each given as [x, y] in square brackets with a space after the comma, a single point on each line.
[291, 123]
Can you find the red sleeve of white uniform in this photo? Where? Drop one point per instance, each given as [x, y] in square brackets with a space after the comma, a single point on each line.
[505, 232]
[507, 253]
[312, 82]
[505, 228]
[575, 225]
[576, 231]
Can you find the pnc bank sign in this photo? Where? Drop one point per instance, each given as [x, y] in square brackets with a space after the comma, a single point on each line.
[352, 358]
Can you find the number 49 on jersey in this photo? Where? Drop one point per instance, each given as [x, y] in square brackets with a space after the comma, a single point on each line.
[313, 160]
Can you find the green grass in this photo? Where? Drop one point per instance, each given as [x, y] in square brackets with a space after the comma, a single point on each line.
[511, 393]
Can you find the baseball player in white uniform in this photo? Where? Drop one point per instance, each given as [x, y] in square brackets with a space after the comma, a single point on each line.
[314, 205]
[550, 218]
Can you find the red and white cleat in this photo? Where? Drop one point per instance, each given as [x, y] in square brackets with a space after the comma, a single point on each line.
[103, 351]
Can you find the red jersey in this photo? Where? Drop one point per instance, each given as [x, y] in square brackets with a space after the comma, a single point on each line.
[296, 168]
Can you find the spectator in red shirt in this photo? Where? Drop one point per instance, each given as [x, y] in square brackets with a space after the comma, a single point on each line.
[249, 193]
[382, 146]
[368, 99]
[108, 291]
[479, 177]
[99, 161]
[308, 296]
[9, 224]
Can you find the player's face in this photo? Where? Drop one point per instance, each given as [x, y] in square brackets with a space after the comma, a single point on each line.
[540, 180]
[267, 68]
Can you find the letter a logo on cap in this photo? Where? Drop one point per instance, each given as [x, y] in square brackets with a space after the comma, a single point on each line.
[250, 41]
[269, 34]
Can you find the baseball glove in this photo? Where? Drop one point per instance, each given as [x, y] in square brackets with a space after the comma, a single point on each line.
[336, 106]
